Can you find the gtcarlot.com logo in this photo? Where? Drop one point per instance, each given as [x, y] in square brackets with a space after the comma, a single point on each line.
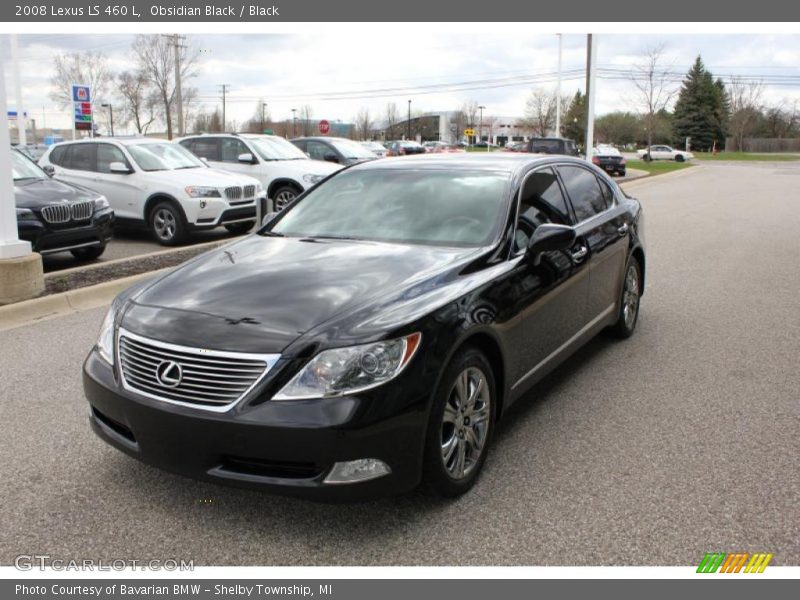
[738, 562]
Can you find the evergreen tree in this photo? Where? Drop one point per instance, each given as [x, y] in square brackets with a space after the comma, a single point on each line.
[574, 124]
[702, 109]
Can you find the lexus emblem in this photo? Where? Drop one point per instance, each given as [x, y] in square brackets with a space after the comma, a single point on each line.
[169, 373]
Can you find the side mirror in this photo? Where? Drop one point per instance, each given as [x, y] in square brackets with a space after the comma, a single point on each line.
[247, 158]
[268, 217]
[49, 169]
[331, 157]
[550, 237]
[119, 168]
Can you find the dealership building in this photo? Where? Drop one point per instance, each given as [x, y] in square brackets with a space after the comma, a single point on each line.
[448, 126]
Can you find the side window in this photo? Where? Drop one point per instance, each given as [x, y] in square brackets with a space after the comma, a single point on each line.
[608, 193]
[207, 148]
[231, 149]
[317, 150]
[81, 157]
[57, 155]
[584, 192]
[301, 144]
[541, 201]
[107, 154]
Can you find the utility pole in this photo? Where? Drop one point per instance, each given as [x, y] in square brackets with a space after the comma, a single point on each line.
[22, 139]
[591, 92]
[177, 42]
[111, 117]
[224, 87]
[409, 120]
[294, 122]
[558, 89]
[263, 108]
[480, 128]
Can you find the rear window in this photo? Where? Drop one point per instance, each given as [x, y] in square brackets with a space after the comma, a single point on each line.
[546, 146]
[584, 192]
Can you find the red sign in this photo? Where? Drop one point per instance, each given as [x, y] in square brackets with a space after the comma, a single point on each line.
[324, 127]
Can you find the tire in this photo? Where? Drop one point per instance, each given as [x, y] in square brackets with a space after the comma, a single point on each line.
[647, 158]
[622, 173]
[240, 228]
[89, 253]
[629, 301]
[167, 223]
[458, 437]
[284, 195]
[679, 158]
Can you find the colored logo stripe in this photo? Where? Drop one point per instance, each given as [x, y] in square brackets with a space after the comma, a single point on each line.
[734, 563]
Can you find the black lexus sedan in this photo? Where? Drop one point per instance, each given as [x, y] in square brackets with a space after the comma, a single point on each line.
[58, 217]
[368, 338]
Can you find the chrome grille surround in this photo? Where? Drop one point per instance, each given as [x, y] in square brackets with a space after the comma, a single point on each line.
[249, 191]
[233, 193]
[82, 211]
[56, 213]
[211, 380]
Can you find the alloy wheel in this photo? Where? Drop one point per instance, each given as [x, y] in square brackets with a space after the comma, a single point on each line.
[630, 296]
[465, 423]
[284, 198]
[164, 224]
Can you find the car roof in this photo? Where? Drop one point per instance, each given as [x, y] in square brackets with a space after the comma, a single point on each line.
[125, 141]
[322, 138]
[508, 162]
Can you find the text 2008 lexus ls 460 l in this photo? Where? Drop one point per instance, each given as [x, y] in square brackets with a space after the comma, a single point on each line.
[368, 338]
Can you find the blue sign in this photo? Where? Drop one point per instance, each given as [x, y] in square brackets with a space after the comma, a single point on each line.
[81, 93]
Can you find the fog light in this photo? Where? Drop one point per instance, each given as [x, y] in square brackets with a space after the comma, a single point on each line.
[203, 203]
[354, 471]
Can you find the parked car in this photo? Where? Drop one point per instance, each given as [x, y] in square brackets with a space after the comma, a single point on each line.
[158, 184]
[661, 152]
[404, 147]
[552, 145]
[283, 169]
[58, 217]
[376, 148]
[609, 159]
[334, 149]
[372, 334]
[436, 146]
[32, 151]
[516, 146]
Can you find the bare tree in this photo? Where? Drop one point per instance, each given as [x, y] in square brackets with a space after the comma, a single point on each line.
[156, 60]
[654, 86]
[89, 68]
[540, 112]
[306, 114]
[392, 117]
[363, 124]
[745, 99]
[140, 103]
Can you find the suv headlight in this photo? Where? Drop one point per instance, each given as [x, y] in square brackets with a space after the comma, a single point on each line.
[105, 341]
[101, 203]
[25, 213]
[349, 370]
[310, 178]
[201, 191]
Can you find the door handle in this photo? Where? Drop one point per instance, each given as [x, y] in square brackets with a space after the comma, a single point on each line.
[580, 254]
[623, 229]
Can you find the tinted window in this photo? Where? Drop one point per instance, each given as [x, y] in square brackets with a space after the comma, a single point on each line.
[231, 149]
[583, 191]
[81, 157]
[541, 201]
[318, 150]
[57, 155]
[439, 207]
[107, 154]
[204, 148]
[608, 194]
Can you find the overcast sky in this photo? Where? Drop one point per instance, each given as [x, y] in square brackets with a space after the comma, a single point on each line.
[380, 66]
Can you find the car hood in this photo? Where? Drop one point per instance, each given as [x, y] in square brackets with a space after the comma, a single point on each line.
[199, 176]
[36, 193]
[262, 293]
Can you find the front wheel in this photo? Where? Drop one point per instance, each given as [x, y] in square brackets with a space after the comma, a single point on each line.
[167, 224]
[284, 196]
[679, 158]
[240, 228]
[629, 305]
[90, 253]
[460, 424]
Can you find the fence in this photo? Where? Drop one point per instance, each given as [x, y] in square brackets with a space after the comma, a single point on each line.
[763, 145]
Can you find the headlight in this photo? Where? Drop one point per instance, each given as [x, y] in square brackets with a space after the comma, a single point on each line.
[309, 178]
[349, 370]
[105, 342]
[101, 203]
[25, 213]
[200, 191]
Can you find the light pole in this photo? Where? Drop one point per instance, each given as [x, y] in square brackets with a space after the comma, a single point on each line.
[263, 107]
[480, 127]
[409, 120]
[294, 122]
[111, 116]
[558, 90]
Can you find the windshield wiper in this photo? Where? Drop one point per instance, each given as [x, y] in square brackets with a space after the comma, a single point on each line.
[186, 167]
[271, 233]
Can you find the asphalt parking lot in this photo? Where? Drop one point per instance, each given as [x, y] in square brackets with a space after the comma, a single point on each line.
[652, 451]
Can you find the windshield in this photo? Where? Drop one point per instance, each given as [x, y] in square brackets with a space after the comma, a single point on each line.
[275, 148]
[23, 167]
[350, 149]
[452, 208]
[163, 157]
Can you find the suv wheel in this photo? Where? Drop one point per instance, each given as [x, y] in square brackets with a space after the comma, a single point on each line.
[167, 223]
[284, 196]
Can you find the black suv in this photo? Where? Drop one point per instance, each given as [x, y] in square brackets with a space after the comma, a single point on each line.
[55, 216]
[553, 145]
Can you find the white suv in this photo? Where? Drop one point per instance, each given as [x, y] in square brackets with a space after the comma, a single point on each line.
[283, 169]
[157, 183]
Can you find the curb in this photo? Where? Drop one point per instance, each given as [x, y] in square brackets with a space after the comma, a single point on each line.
[58, 305]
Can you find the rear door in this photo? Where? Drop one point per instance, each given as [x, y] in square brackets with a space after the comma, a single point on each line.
[77, 164]
[123, 195]
[603, 233]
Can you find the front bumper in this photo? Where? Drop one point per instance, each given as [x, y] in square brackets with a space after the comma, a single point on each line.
[51, 239]
[283, 447]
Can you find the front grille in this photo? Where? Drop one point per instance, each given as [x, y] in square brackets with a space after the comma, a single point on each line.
[204, 378]
[63, 213]
[233, 193]
[249, 191]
